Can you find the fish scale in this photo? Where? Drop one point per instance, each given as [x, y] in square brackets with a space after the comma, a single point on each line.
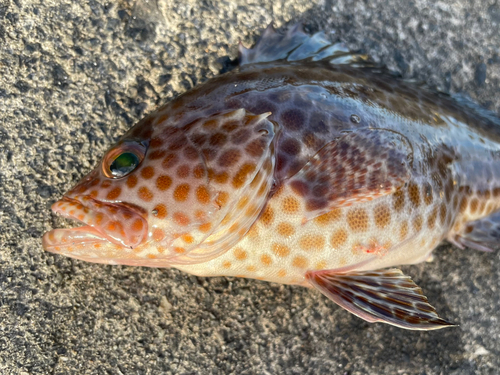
[307, 165]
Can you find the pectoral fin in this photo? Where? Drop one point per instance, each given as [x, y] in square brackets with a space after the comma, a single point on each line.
[386, 296]
[358, 167]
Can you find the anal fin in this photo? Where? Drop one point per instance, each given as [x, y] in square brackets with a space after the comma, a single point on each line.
[482, 234]
[386, 296]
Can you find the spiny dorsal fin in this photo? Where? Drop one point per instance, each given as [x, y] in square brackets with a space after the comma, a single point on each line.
[387, 296]
[295, 45]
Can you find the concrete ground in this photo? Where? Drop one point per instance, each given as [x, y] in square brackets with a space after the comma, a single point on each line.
[74, 75]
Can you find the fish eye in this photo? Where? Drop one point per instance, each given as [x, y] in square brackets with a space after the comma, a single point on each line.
[124, 164]
[123, 159]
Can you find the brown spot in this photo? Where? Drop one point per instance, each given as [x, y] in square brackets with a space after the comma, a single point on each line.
[299, 262]
[241, 176]
[198, 171]
[179, 250]
[251, 268]
[403, 230]
[442, 213]
[181, 192]
[202, 194]
[382, 216]
[282, 273]
[266, 260]
[474, 205]
[131, 181]
[242, 203]
[431, 220]
[229, 158]
[320, 265]
[163, 182]
[226, 264]
[222, 198]
[221, 178]
[398, 200]
[187, 238]
[329, 217]
[161, 211]
[357, 219]
[263, 190]
[217, 139]
[148, 172]
[417, 223]
[111, 226]
[285, 229]
[190, 153]
[93, 194]
[253, 233]
[181, 219]
[267, 216]
[496, 192]
[106, 184]
[463, 204]
[482, 206]
[205, 227]
[145, 194]
[156, 142]
[98, 218]
[240, 254]
[137, 225]
[280, 250]
[293, 119]
[339, 238]
[157, 154]
[414, 194]
[290, 205]
[158, 235]
[113, 194]
[169, 161]
[183, 171]
[427, 194]
[290, 146]
[255, 148]
[311, 242]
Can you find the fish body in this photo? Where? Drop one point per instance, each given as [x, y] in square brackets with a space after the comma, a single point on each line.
[304, 166]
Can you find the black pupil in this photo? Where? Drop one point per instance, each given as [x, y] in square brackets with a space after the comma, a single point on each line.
[124, 164]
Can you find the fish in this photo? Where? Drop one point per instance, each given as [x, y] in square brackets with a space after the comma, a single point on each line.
[306, 165]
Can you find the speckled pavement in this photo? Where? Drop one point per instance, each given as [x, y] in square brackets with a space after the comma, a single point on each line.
[74, 75]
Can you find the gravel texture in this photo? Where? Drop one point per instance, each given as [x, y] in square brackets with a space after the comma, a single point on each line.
[74, 75]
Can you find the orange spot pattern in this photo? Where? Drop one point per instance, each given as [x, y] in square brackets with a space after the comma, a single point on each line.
[280, 250]
[312, 242]
[145, 194]
[113, 194]
[181, 192]
[148, 172]
[163, 182]
[357, 219]
[290, 205]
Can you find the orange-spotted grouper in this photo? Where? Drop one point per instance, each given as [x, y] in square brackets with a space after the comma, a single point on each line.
[305, 165]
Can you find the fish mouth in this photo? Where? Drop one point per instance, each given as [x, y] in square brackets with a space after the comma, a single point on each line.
[104, 223]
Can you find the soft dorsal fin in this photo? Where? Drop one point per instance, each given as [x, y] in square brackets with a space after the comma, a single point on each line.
[295, 45]
[386, 296]
[357, 167]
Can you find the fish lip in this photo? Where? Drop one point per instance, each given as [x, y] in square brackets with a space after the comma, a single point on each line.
[91, 232]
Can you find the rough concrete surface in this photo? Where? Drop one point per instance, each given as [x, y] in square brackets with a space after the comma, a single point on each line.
[74, 75]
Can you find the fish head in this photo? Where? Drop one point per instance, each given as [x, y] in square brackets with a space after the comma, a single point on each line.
[166, 195]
